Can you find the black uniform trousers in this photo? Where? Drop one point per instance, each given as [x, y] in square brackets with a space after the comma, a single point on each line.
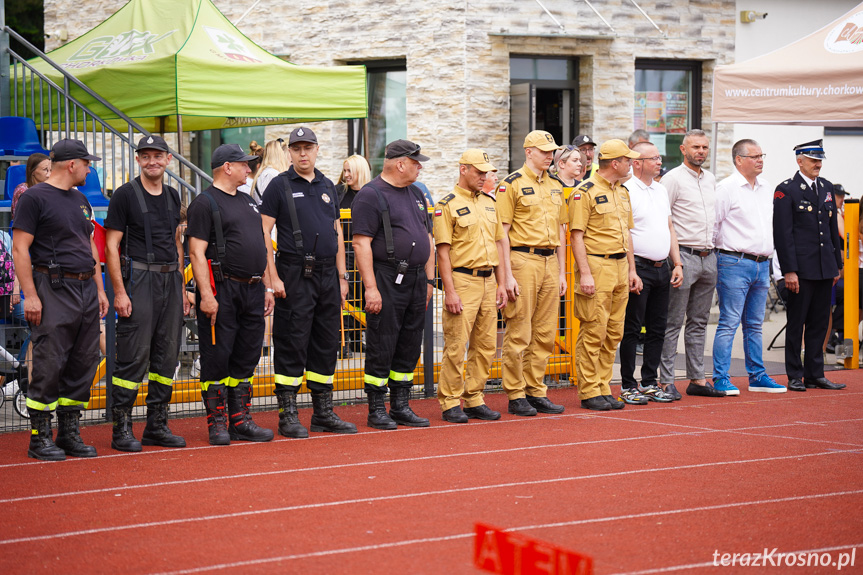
[394, 336]
[239, 334]
[306, 333]
[648, 309]
[809, 308]
[150, 336]
[65, 345]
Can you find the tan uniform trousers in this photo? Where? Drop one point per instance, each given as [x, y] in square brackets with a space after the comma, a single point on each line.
[531, 323]
[601, 316]
[476, 327]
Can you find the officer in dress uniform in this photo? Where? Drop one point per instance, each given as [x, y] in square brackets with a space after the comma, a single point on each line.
[600, 217]
[469, 237]
[227, 248]
[806, 236]
[142, 222]
[310, 283]
[532, 210]
[57, 265]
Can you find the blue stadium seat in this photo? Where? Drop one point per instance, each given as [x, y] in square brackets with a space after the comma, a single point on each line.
[14, 176]
[18, 137]
[92, 189]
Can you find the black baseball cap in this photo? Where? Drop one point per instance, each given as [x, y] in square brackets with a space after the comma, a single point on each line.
[839, 190]
[64, 150]
[405, 149]
[153, 143]
[229, 153]
[581, 140]
[302, 135]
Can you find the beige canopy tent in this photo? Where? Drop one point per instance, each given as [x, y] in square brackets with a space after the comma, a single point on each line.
[816, 81]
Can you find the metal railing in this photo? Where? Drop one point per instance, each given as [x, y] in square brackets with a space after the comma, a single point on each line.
[57, 115]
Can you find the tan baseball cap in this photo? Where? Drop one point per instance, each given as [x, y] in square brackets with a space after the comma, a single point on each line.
[540, 139]
[478, 159]
[612, 149]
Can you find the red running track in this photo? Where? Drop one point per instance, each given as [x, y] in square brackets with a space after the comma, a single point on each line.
[649, 489]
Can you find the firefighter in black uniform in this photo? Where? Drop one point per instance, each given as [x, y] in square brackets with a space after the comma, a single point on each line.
[225, 235]
[148, 296]
[311, 285]
[806, 236]
[57, 266]
[395, 257]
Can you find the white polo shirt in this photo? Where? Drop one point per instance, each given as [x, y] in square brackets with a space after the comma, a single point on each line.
[651, 237]
[744, 215]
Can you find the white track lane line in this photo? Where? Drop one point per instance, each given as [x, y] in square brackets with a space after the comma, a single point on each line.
[434, 428]
[392, 497]
[673, 568]
[699, 431]
[366, 548]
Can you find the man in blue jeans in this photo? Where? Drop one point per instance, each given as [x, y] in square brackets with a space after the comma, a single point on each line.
[743, 235]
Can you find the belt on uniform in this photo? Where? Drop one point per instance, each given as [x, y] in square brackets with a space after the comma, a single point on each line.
[650, 263]
[745, 256]
[538, 251]
[483, 273]
[293, 258]
[251, 280]
[695, 252]
[163, 268]
[610, 256]
[68, 275]
[394, 266]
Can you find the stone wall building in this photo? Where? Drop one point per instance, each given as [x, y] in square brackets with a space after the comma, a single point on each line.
[457, 59]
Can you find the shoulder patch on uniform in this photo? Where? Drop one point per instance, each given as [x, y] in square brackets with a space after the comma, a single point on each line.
[778, 195]
[463, 211]
[512, 177]
[446, 199]
[585, 186]
[601, 199]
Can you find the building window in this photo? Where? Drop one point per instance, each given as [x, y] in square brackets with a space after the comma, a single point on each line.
[387, 119]
[667, 103]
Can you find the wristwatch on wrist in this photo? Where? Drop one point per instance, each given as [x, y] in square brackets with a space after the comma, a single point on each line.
[346, 277]
[430, 282]
[271, 290]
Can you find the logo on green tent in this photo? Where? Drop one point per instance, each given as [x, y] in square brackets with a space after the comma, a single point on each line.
[131, 45]
[231, 46]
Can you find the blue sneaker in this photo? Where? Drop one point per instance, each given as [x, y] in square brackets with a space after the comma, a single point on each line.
[766, 385]
[726, 386]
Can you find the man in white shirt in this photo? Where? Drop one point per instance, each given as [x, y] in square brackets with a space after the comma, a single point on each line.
[691, 195]
[744, 241]
[653, 240]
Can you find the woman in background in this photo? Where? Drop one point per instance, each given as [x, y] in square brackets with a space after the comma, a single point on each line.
[568, 167]
[38, 170]
[275, 161]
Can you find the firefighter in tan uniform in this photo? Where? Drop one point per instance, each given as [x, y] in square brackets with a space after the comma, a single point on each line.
[600, 217]
[469, 238]
[532, 209]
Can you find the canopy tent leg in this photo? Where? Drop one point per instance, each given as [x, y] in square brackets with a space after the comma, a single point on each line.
[713, 147]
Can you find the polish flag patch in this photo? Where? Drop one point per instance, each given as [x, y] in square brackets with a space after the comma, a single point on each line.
[438, 212]
[576, 196]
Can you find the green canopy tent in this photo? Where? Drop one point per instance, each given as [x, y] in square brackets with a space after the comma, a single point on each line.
[170, 64]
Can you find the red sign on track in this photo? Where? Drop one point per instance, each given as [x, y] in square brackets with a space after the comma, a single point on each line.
[509, 553]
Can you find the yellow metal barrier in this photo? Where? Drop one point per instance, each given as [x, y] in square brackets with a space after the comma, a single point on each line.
[852, 281]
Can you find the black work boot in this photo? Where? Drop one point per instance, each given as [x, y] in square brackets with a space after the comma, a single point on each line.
[157, 432]
[378, 416]
[41, 444]
[323, 418]
[217, 420]
[69, 435]
[241, 427]
[400, 409]
[122, 438]
[289, 417]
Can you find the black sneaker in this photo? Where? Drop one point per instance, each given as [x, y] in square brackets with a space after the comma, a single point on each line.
[454, 415]
[613, 402]
[521, 407]
[597, 403]
[543, 405]
[481, 411]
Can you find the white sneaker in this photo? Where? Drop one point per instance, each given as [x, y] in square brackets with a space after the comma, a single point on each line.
[195, 370]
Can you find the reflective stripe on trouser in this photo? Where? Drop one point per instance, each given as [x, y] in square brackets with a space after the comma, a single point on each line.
[149, 339]
[394, 336]
[65, 343]
[601, 329]
[476, 327]
[531, 323]
[239, 334]
[306, 323]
